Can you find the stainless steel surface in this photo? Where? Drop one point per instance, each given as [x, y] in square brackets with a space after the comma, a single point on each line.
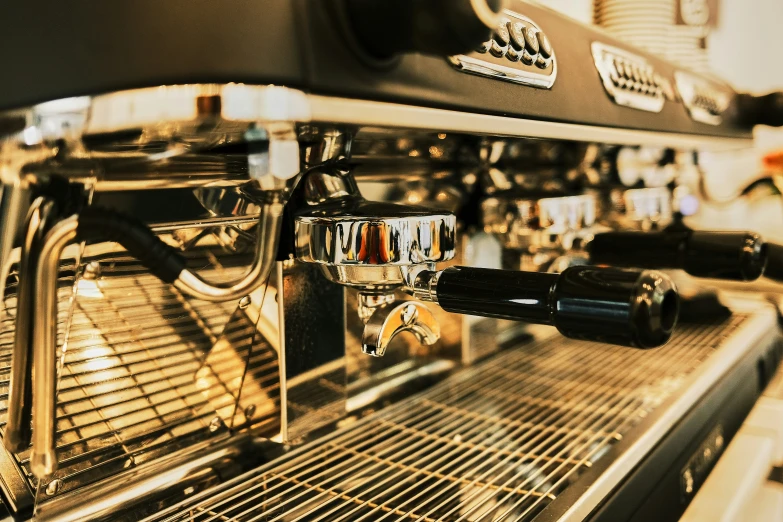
[43, 458]
[375, 236]
[158, 386]
[17, 432]
[127, 390]
[509, 73]
[501, 440]
[140, 488]
[760, 327]
[367, 244]
[390, 115]
[268, 105]
[545, 223]
[648, 95]
[647, 208]
[13, 194]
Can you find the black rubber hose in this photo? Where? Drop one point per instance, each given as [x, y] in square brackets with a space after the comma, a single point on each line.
[100, 224]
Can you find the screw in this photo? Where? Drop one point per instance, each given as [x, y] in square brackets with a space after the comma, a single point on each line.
[215, 424]
[250, 411]
[244, 302]
[54, 487]
[719, 441]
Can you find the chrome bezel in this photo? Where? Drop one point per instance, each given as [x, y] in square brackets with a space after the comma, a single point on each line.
[602, 55]
[687, 84]
[480, 67]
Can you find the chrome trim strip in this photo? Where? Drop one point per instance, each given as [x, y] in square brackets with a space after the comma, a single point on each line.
[384, 114]
[731, 351]
[251, 103]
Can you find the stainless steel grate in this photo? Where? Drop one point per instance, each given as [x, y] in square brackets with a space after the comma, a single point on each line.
[494, 442]
[127, 390]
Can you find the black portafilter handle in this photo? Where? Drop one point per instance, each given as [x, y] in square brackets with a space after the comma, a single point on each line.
[760, 110]
[736, 256]
[774, 268]
[385, 28]
[609, 305]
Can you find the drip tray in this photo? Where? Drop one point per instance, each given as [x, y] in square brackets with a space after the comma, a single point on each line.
[497, 441]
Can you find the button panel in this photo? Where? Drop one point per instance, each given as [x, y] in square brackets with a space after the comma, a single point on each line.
[630, 80]
[705, 100]
[519, 51]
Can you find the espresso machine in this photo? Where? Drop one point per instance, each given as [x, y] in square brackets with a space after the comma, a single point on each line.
[341, 260]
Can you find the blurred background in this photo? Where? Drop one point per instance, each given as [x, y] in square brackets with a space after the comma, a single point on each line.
[736, 41]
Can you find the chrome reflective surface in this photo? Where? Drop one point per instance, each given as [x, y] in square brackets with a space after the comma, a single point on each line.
[474, 63]
[648, 207]
[399, 316]
[504, 439]
[375, 234]
[43, 459]
[648, 95]
[538, 223]
[705, 100]
[17, 430]
[151, 394]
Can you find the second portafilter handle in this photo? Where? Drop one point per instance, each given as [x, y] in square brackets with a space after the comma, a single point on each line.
[624, 307]
[738, 256]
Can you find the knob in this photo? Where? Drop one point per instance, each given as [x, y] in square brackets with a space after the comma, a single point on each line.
[624, 307]
[760, 110]
[737, 256]
[385, 28]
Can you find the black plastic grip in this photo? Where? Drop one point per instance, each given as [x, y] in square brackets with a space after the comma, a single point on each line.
[100, 224]
[624, 307]
[760, 110]
[738, 256]
[774, 269]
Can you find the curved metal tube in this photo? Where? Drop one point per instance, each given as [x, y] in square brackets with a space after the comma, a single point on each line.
[400, 316]
[17, 430]
[269, 224]
[43, 460]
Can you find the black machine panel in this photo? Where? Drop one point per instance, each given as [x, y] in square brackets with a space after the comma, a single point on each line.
[90, 48]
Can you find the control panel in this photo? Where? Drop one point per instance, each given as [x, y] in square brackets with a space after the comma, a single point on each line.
[630, 80]
[519, 51]
[705, 100]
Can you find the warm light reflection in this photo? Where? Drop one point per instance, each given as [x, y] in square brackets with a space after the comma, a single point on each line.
[88, 288]
[100, 364]
[97, 351]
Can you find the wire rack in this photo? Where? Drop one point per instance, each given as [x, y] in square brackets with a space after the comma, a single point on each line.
[130, 349]
[494, 442]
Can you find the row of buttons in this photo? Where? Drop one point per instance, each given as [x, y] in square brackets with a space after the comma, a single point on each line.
[519, 42]
[626, 74]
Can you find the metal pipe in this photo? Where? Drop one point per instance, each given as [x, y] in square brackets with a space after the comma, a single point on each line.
[269, 224]
[12, 201]
[43, 460]
[17, 430]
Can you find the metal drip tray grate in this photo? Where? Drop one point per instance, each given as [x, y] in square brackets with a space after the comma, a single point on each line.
[127, 388]
[498, 441]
